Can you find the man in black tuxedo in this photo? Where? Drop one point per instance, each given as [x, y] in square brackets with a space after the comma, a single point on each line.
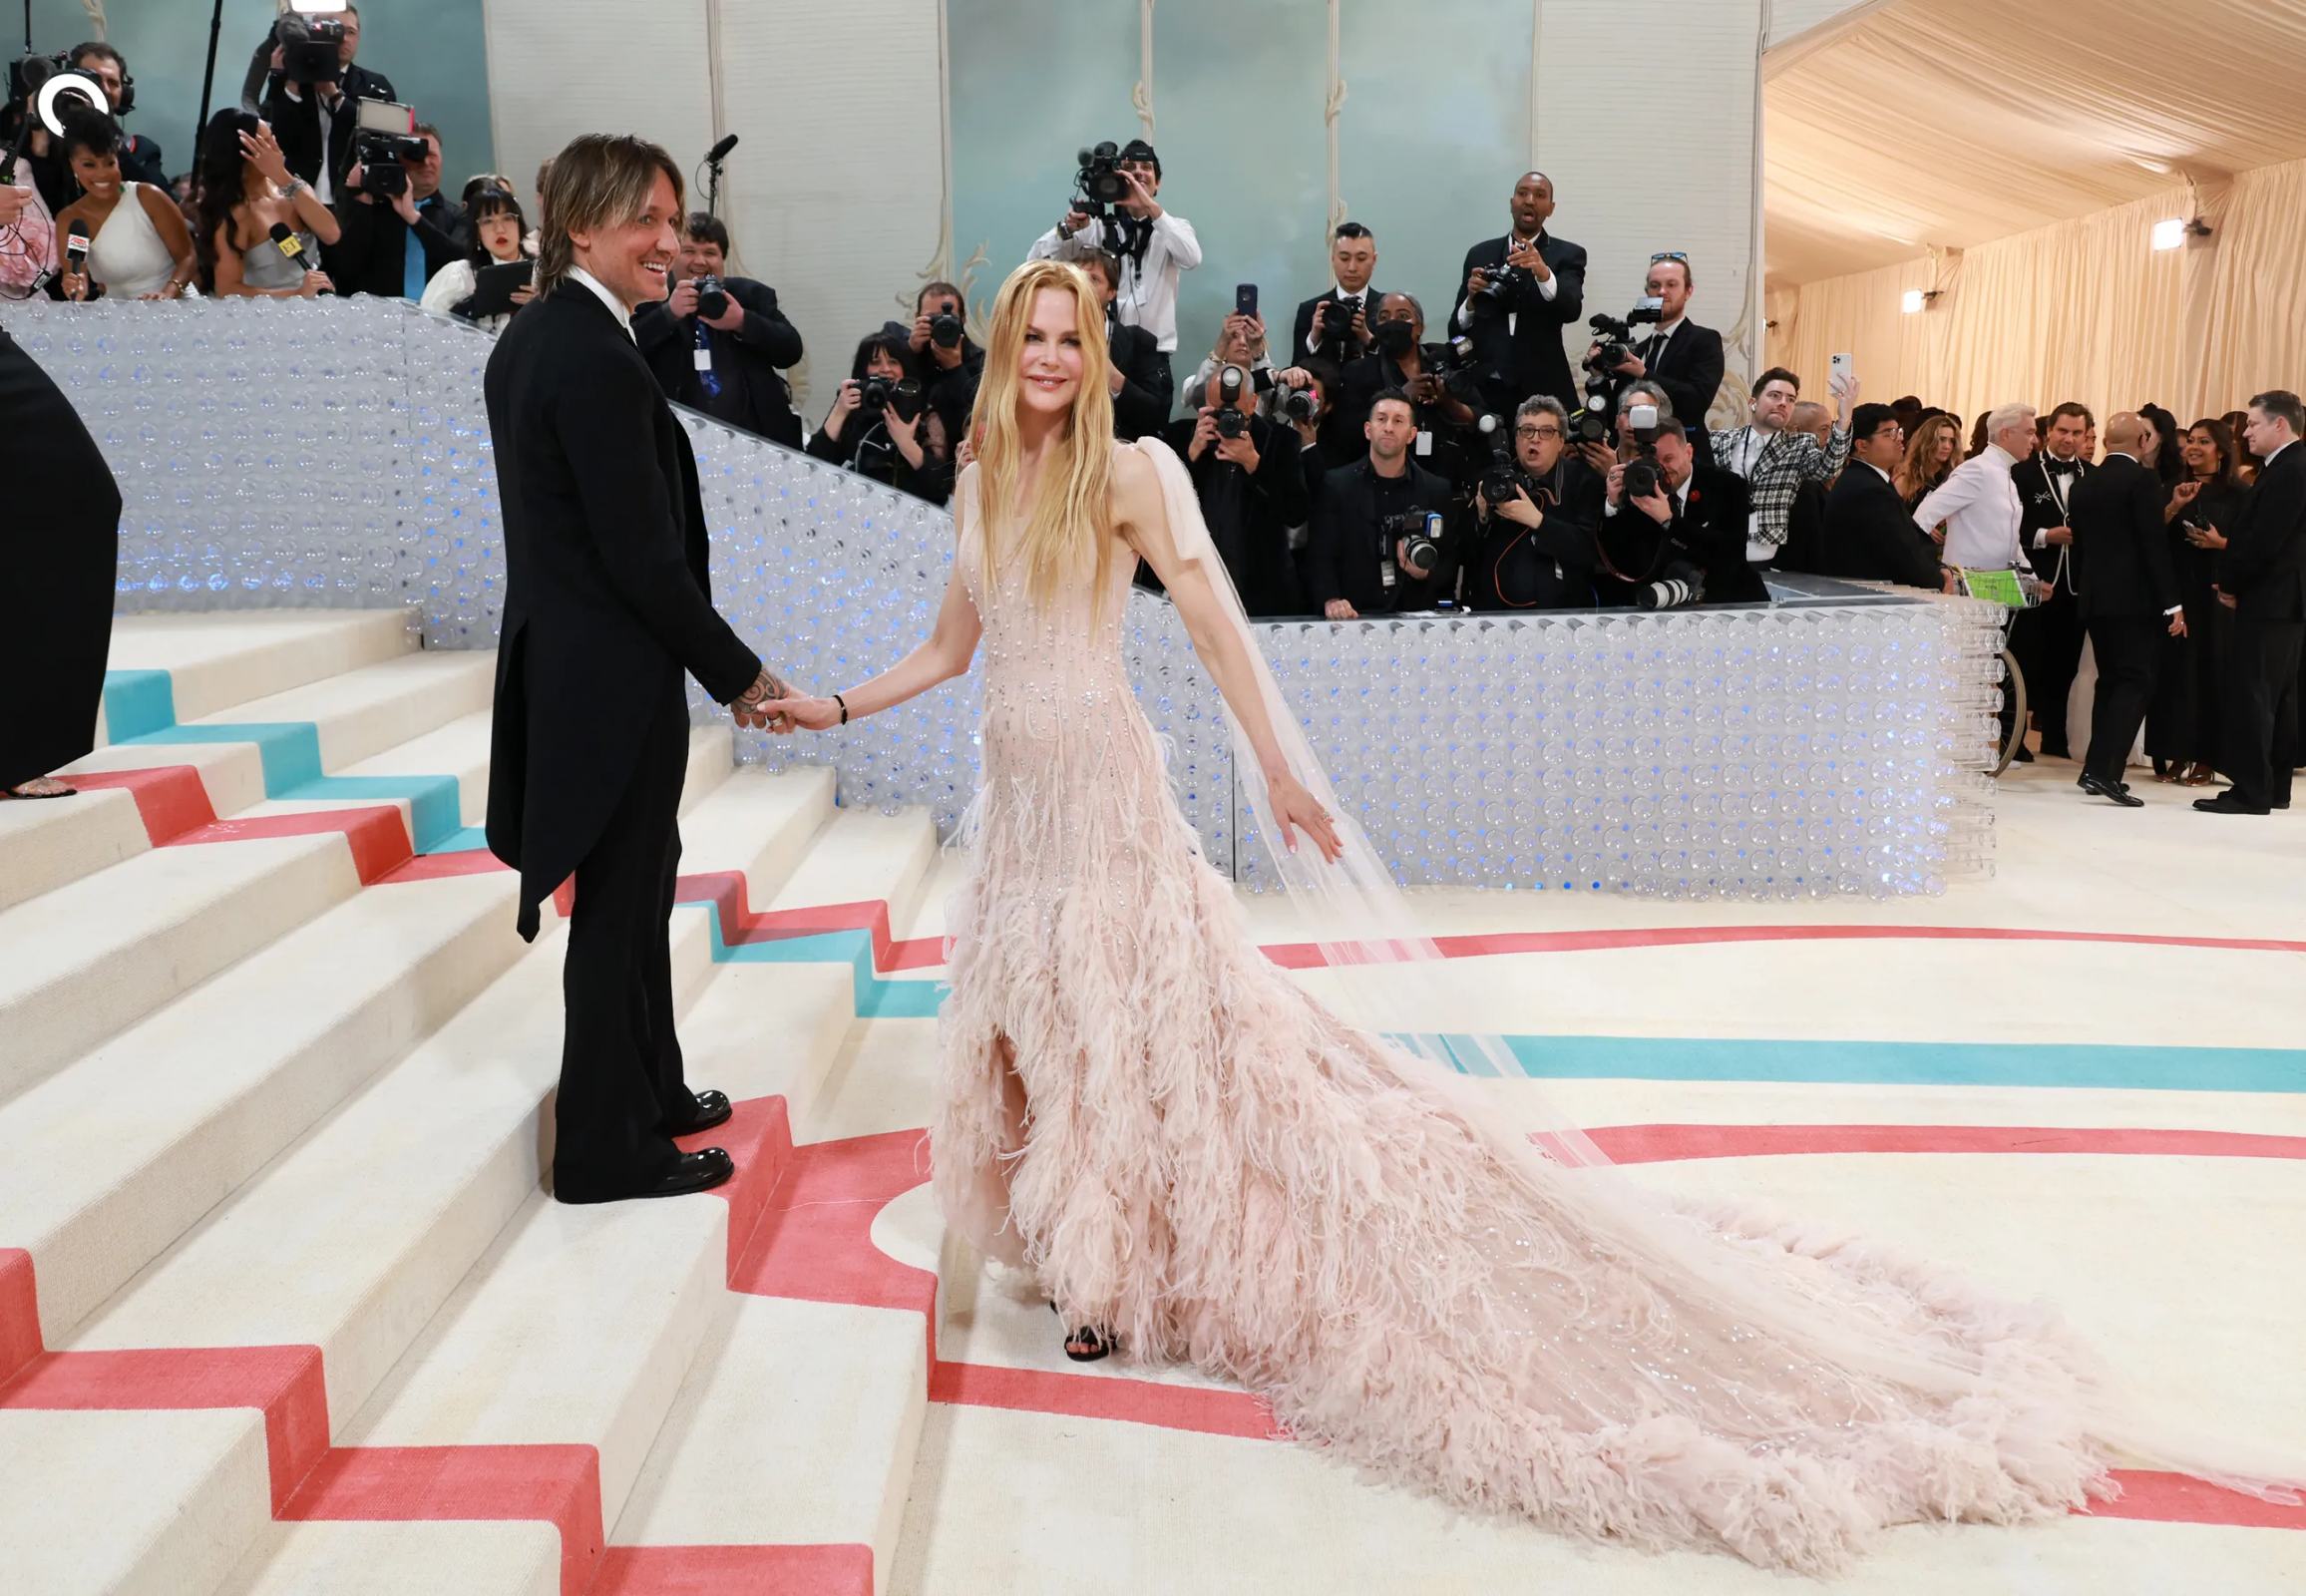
[2262, 575]
[1399, 362]
[1534, 549]
[1356, 562]
[1869, 533]
[2048, 638]
[1338, 326]
[730, 367]
[606, 606]
[1693, 527]
[2127, 594]
[1143, 385]
[1252, 488]
[1514, 297]
[314, 121]
[1683, 358]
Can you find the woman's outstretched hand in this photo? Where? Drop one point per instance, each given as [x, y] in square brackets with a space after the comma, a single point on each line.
[800, 712]
[1295, 809]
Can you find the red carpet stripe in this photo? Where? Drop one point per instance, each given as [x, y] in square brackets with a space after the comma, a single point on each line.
[435, 867]
[19, 1312]
[2181, 1499]
[1306, 955]
[735, 1571]
[1135, 1401]
[169, 799]
[378, 836]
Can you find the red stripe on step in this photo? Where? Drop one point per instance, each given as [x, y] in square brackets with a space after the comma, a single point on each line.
[1197, 1409]
[734, 1571]
[2181, 1499]
[740, 923]
[815, 1240]
[19, 1312]
[917, 952]
[759, 1137]
[378, 836]
[1307, 955]
[169, 799]
[559, 1485]
[436, 867]
[284, 1383]
[1651, 1144]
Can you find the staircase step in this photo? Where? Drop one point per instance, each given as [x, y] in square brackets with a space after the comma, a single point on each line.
[93, 957]
[44, 845]
[115, 1156]
[420, 1559]
[219, 659]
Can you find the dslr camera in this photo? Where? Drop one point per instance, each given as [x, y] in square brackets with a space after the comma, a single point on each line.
[1503, 477]
[1231, 421]
[944, 330]
[1420, 529]
[1502, 284]
[308, 48]
[878, 394]
[384, 136]
[1294, 404]
[1604, 382]
[712, 299]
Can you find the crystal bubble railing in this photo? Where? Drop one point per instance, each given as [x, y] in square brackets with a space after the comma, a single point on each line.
[335, 452]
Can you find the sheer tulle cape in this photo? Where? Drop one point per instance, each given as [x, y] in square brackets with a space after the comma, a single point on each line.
[1359, 917]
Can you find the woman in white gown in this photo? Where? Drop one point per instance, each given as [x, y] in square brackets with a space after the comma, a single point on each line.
[1188, 1153]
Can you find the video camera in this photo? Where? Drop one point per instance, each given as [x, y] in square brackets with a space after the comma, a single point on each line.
[1099, 185]
[1604, 382]
[41, 89]
[309, 47]
[384, 136]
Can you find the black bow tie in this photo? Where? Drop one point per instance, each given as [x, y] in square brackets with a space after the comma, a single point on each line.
[2061, 468]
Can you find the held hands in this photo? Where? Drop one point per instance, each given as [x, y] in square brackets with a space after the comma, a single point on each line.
[800, 712]
[760, 706]
[1295, 809]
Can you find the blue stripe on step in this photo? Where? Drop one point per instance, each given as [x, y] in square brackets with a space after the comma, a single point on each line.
[1926, 1063]
[136, 702]
[876, 998]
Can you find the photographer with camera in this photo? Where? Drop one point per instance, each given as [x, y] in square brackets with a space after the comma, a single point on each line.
[1141, 377]
[1118, 210]
[140, 158]
[1775, 458]
[720, 344]
[1530, 544]
[1673, 531]
[1252, 487]
[1440, 389]
[949, 361]
[303, 81]
[1683, 358]
[1377, 545]
[1515, 295]
[399, 228]
[880, 425]
[1334, 326]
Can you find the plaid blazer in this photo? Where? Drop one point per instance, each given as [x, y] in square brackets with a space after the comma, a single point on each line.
[1776, 465]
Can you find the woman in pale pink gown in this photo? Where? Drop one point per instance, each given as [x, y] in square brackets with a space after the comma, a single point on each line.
[1192, 1154]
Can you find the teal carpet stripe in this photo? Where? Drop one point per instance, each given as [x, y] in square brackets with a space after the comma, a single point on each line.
[435, 813]
[1920, 1063]
[137, 702]
[877, 997]
[464, 840]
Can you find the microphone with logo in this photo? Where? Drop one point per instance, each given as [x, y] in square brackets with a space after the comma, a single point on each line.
[76, 255]
[292, 250]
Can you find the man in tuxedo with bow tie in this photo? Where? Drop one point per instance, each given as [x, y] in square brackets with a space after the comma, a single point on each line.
[2048, 638]
[1679, 356]
[1338, 326]
[1515, 295]
[2127, 595]
[607, 607]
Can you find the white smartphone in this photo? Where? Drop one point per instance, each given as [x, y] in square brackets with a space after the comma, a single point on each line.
[1841, 366]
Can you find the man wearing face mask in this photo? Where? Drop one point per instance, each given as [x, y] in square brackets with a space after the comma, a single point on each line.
[1516, 294]
[1399, 362]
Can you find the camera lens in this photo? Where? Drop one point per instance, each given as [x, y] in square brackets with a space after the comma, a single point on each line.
[712, 301]
[944, 330]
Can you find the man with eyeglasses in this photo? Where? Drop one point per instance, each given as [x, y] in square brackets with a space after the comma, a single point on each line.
[1679, 355]
[1533, 548]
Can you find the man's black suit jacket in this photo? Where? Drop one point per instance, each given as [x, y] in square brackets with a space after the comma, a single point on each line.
[607, 595]
[2264, 564]
[1148, 385]
[1299, 350]
[1508, 565]
[371, 252]
[2122, 549]
[1709, 529]
[1340, 556]
[1688, 367]
[2038, 508]
[765, 344]
[1871, 536]
[1250, 514]
[296, 122]
[1531, 358]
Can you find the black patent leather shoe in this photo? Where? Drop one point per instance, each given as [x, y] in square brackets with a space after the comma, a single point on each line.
[712, 1109]
[690, 1172]
[2226, 803]
[2120, 795]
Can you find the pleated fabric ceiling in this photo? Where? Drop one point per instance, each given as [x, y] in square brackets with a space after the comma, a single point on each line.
[1949, 123]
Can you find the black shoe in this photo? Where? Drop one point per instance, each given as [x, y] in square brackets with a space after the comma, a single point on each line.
[712, 1109]
[690, 1172]
[2117, 794]
[2226, 803]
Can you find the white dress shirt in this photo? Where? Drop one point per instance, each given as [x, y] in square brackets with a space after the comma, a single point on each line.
[1146, 296]
[600, 290]
[1979, 505]
[1547, 287]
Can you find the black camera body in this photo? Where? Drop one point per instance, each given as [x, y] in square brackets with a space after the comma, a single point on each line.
[1099, 182]
[309, 47]
[1231, 422]
[712, 299]
[1604, 383]
[878, 394]
[380, 156]
[1294, 404]
[1419, 531]
[1501, 285]
[944, 330]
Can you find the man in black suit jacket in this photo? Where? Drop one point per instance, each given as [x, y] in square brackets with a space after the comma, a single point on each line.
[1518, 338]
[1535, 549]
[748, 344]
[607, 604]
[1144, 386]
[1683, 358]
[2048, 638]
[1347, 313]
[391, 248]
[2128, 595]
[1869, 533]
[1696, 519]
[1353, 565]
[298, 111]
[1252, 489]
[1401, 361]
[2262, 575]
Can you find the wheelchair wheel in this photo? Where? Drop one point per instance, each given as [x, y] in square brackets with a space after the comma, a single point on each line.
[2013, 704]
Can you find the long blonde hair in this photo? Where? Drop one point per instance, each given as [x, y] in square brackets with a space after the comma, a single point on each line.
[1069, 522]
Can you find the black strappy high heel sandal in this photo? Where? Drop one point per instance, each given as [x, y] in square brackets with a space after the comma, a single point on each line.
[1091, 1344]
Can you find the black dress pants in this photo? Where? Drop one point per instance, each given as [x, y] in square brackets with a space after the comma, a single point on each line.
[621, 1081]
[2261, 719]
[2047, 643]
[2128, 652]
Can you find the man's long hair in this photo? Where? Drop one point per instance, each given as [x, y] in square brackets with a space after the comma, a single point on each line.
[601, 179]
[1068, 524]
